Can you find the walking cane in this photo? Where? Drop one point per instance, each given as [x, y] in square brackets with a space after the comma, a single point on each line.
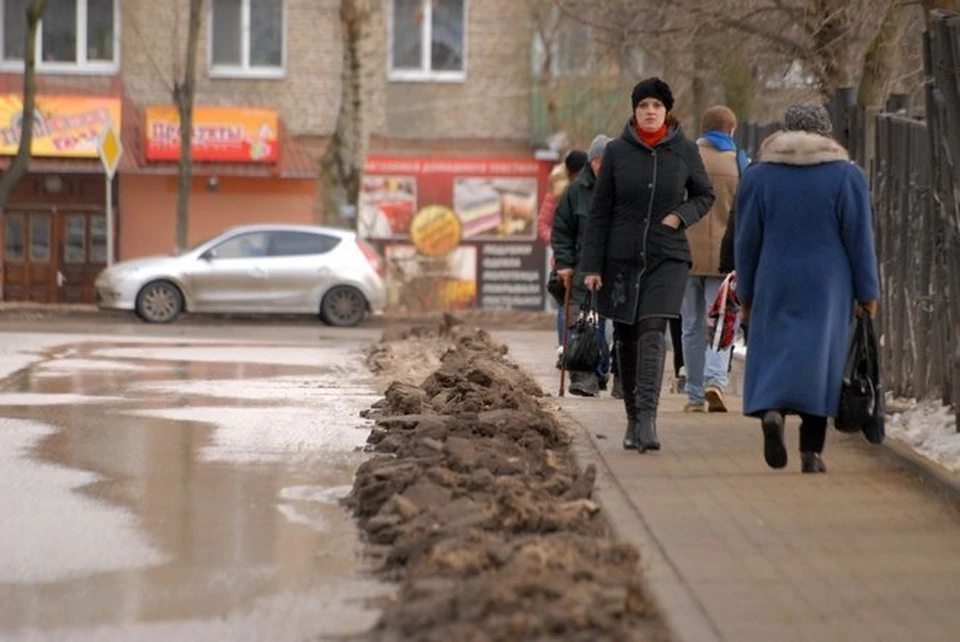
[566, 334]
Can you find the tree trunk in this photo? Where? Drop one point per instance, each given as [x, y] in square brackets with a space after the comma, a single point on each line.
[21, 162]
[342, 164]
[884, 59]
[184, 92]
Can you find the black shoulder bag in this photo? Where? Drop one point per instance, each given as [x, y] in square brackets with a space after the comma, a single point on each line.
[862, 404]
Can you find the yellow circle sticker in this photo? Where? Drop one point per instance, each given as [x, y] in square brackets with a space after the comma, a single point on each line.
[435, 230]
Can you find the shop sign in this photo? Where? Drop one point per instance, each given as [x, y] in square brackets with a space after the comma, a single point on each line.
[63, 126]
[456, 232]
[220, 134]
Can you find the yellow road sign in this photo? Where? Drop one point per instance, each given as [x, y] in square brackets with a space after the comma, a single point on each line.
[110, 149]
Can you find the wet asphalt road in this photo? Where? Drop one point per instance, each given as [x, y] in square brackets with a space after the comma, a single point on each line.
[181, 483]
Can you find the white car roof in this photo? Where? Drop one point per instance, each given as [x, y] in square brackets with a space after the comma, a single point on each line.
[280, 227]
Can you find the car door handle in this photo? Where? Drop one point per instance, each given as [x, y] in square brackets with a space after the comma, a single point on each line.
[259, 273]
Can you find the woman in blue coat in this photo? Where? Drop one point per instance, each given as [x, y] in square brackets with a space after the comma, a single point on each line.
[805, 263]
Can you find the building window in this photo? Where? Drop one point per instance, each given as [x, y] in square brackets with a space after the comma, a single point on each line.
[247, 38]
[428, 40]
[74, 35]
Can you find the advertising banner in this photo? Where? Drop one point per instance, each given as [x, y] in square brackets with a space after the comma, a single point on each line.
[456, 232]
[224, 134]
[64, 126]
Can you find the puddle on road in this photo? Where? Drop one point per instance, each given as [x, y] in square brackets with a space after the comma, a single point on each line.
[196, 499]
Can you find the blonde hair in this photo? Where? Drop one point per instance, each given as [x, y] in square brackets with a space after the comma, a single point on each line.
[558, 180]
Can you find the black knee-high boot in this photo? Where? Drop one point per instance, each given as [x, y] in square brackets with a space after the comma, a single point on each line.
[651, 351]
[627, 362]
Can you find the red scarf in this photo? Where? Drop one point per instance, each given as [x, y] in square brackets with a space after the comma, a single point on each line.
[651, 138]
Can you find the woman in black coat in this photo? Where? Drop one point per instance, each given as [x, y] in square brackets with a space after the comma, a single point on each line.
[652, 185]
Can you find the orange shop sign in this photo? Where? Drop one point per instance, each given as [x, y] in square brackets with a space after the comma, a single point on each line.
[219, 134]
[64, 126]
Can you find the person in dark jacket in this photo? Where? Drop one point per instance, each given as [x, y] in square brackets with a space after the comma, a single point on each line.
[805, 262]
[652, 185]
[569, 227]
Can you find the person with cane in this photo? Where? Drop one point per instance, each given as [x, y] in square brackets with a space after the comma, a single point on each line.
[566, 238]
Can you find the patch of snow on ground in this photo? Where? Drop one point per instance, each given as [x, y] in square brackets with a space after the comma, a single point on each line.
[298, 390]
[929, 427]
[275, 434]
[273, 355]
[91, 365]
[37, 501]
[41, 399]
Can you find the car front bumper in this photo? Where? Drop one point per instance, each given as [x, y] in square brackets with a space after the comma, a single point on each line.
[110, 295]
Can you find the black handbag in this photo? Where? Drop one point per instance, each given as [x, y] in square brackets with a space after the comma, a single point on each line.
[584, 346]
[862, 404]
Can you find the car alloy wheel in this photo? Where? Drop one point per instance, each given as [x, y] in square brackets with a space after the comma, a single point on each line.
[159, 302]
[343, 306]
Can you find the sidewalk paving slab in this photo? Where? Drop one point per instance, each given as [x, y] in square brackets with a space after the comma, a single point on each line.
[735, 551]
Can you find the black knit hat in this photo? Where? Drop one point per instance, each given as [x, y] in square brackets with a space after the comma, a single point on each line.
[575, 160]
[653, 88]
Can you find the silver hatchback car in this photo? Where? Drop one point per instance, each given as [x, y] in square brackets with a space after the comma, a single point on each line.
[257, 269]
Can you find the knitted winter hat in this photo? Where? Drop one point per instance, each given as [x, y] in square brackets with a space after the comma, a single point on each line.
[808, 118]
[597, 146]
[575, 160]
[653, 88]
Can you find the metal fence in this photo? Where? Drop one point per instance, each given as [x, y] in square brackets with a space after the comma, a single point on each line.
[914, 166]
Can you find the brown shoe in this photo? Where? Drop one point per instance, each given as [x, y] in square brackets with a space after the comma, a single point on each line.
[714, 398]
[692, 406]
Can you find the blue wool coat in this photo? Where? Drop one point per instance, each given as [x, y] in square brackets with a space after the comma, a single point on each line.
[804, 256]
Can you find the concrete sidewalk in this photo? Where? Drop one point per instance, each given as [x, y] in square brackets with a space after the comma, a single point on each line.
[738, 552]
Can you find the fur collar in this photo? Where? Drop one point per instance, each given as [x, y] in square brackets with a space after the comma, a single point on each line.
[801, 148]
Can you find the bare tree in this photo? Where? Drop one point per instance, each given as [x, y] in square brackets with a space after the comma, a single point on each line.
[21, 162]
[342, 165]
[184, 92]
[883, 62]
[826, 36]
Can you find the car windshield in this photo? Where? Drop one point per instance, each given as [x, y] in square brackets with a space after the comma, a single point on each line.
[192, 247]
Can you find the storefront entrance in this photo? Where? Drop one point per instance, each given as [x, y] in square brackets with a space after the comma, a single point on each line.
[52, 256]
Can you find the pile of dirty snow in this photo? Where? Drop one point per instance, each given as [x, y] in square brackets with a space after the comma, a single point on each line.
[479, 511]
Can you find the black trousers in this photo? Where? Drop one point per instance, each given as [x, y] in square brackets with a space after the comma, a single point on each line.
[813, 433]
[676, 337]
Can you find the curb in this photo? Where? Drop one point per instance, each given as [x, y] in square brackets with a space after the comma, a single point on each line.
[938, 478]
[682, 613]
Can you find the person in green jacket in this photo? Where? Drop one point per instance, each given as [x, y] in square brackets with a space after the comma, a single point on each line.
[566, 238]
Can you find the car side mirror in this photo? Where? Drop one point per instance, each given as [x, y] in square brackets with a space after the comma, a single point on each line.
[209, 255]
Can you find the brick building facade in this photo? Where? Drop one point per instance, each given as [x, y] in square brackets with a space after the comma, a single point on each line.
[447, 78]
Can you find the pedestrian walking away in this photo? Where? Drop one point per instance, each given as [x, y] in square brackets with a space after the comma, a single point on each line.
[557, 182]
[569, 228]
[805, 263]
[707, 368]
[652, 186]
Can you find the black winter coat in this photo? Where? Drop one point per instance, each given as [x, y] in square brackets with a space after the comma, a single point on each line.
[637, 188]
[570, 227]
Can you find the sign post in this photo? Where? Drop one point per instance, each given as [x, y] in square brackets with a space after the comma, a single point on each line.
[110, 150]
